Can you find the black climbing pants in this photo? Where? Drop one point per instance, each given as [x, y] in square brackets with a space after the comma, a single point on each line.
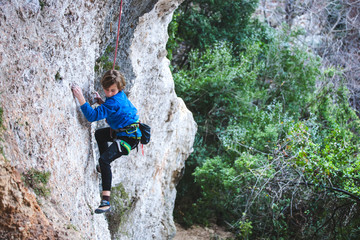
[110, 153]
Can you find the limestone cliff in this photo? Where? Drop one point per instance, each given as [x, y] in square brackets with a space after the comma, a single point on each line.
[45, 47]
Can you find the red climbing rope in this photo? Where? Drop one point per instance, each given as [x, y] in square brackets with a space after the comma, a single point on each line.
[118, 33]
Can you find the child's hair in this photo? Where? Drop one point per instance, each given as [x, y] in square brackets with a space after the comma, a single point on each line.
[111, 77]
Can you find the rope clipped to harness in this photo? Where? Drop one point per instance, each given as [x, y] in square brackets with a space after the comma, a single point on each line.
[145, 129]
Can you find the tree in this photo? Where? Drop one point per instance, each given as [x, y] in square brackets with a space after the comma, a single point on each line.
[269, 142]
[202, 23]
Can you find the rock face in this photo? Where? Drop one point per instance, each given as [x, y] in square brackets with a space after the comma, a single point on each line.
[45, 48]
[21, 216]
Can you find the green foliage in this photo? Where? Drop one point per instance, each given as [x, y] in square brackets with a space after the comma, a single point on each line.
[211, 78]
[71, 226]
[271, 146]
[276, 153]
[205, 22]
[325, 148]
[104, 62]
[292, 73]
[58, 77]
[121, 203]
[245, 229]
[200, 24]
[173, 42]
[37, 180]
[42, 5]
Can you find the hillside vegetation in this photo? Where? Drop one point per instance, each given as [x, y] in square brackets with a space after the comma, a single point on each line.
[276, 153]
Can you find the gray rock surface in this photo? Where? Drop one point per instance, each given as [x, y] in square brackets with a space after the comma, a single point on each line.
[45, 48]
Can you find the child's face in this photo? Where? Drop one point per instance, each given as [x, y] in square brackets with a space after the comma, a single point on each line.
[111, 91]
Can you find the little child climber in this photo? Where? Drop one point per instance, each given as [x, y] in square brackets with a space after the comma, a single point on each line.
[123, 132]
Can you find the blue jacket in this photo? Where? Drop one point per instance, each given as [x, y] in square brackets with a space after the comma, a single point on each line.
[118, 111]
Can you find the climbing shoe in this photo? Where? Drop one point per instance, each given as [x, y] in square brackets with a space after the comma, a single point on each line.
[103, 203]
[98, 169]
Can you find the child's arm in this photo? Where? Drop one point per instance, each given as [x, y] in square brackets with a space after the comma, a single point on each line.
[78, 94]
[91, 114]
[98, 98]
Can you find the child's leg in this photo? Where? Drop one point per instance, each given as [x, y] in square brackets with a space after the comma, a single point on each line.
[110, 154]
[105, 159]
[102, 137]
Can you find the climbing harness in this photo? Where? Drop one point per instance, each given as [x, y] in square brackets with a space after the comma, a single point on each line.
[128, 129]
[132, 128]
[118, 33]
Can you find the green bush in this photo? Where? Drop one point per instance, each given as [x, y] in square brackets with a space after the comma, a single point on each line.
[37, 180]
[105, 62]
[121, 204]
[200, 24]
[205, 22]
[274, 154]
